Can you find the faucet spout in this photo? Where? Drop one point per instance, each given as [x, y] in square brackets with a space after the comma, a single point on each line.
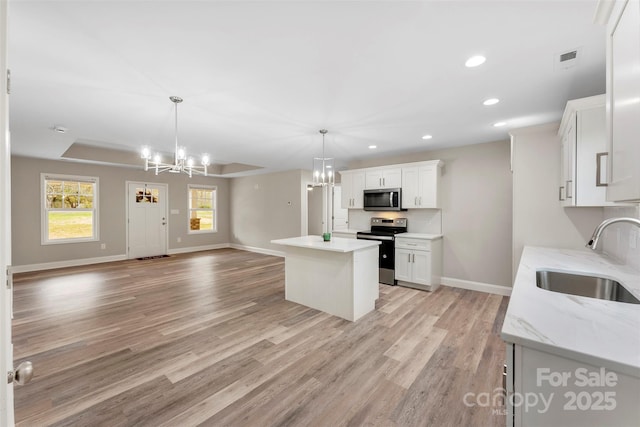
[599, 229]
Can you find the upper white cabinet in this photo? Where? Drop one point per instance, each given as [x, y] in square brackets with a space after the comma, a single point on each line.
[420, 185]
[383, 178]
[623, 101]
[352, 188]
[583, 153]
[419, 182]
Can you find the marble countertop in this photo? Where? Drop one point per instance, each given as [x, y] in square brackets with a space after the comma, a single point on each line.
[598, 332]
[336, 244]
[420, 236]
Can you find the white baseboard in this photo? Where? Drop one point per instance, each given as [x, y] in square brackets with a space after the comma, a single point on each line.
[257, 250]
[99, 260]
[198, 248]
[68, 263]
[476, 286]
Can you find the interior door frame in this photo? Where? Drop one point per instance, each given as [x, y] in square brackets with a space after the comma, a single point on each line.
[166, 208]
[6, 289]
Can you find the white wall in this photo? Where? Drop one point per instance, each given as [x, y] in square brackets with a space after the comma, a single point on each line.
[476, 209]
[26, 210]
[538, 217]
[616, 239]
[267, 207]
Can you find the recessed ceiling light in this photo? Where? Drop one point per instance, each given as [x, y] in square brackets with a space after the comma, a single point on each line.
[500, 124]
[427, 137]
[491, 101]
[474, 61]
[60, 129]
[373, 147]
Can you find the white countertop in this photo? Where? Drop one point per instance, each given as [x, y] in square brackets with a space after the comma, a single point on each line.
[336, 244]
[598, 332]
[420, 236]
[346, 231]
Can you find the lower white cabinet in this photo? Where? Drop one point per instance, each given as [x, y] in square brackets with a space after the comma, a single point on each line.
[544, 389]
[418, 262]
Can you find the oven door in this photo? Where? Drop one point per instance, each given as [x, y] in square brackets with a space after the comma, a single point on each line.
[386, 257]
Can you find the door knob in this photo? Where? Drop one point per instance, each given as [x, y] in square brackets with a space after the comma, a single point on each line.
[22, 374]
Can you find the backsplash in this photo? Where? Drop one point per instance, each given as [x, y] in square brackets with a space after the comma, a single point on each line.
[616, 237]
[418, 220]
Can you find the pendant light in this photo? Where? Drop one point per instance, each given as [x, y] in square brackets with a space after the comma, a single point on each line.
[323, 167]
[182, 163]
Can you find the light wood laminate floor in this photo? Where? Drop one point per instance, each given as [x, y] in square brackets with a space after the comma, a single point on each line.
[207, 339]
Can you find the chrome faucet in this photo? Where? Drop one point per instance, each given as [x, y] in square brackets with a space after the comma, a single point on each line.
[598, 231]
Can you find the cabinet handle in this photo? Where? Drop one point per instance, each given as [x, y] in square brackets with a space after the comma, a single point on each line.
[504, 377]
[560, 193]
[415, 201]
[420, 200]
[409, 255]
[569, 193]
[601, 167]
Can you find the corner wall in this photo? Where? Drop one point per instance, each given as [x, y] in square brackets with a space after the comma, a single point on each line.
[267, 207]
[538, 217]
[476, 209]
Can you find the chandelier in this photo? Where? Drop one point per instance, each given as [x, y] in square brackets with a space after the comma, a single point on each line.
[182, 163]
[323, 170]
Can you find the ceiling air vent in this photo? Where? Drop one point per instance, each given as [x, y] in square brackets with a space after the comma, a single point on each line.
[566, 60]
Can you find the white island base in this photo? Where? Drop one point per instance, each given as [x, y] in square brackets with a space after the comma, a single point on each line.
[339, 277]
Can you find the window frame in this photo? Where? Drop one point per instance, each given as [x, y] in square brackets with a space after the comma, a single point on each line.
[214, 207]
[44, 210]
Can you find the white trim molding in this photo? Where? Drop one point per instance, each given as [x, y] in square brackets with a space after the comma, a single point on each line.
[68, 263]
[198, 248]
[476, 286]
[257, 250]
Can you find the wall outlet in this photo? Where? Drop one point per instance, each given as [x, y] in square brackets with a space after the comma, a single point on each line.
[103, 246]
[179, 239]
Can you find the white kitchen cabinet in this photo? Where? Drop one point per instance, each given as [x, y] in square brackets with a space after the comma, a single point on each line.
[352, 183]
[544, 389]
[376, 178]
[623, 101]
[418, 261]
[420, 185]
[583, 153]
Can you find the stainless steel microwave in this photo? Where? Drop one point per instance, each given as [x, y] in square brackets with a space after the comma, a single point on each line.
[386, 199]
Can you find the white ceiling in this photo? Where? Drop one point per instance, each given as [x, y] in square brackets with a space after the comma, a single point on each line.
[259, 79]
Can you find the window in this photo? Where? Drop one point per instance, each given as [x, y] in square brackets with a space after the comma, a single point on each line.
[70, 209]
[202, 209]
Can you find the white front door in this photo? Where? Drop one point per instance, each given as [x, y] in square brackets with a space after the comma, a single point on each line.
[147, 219]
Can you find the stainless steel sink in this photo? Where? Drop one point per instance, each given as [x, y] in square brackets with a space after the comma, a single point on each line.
[586, 286]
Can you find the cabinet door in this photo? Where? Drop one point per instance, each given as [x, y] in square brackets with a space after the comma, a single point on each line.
[373, 179]
[392, 178]
[410, 188]
[569, 148]
[590, 189]
[421, 267]
[403, 265]
[428, 187]
[347, 190]
[357, 188]
[623, 91]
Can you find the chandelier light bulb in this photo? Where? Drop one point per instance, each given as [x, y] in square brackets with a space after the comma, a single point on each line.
[206, 161]
[145, 153]
[157, 158]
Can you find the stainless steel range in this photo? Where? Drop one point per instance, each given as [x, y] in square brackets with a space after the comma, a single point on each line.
[385, 230]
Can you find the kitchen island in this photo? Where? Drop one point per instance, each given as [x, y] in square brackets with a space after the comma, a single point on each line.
[339, 277]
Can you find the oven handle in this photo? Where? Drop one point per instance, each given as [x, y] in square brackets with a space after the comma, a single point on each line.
[375, 237]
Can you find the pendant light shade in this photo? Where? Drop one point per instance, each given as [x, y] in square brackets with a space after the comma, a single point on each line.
[323, 167]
